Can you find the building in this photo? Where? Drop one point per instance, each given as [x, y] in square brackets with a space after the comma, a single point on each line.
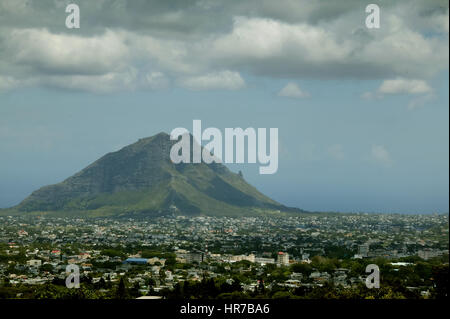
[56, 253]
[363, 250]
[401, 264]
[182, 255]
[319, 276]
[138, 261]
[155, 260]
[236, 258]
[195, 257]
[305, 258]
[283, 258]
[34, 263]
[264, 261]
[296, 276]
[169, 275]
[430, 253]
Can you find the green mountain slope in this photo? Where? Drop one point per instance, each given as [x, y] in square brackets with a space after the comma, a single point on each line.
[140, 179]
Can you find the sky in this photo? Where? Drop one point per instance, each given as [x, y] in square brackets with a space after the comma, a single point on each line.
[362, 113]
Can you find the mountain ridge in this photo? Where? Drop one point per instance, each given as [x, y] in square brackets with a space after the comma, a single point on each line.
[140, 179]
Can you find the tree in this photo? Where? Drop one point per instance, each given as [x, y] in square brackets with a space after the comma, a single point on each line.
[102, 283]
[46, 267]
[302, 268]
[236, 285]
[260, 288]
[151, 282]
[282, 295]
[134, 292]
[121, 290]
[187, 290]
[440, 279]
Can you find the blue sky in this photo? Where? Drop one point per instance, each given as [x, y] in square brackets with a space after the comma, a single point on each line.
[358, 130]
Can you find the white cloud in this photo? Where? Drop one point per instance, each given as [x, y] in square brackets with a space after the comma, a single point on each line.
[421, 101]
[271, 47]
[7, 83]
[367, 95]
[105, 83]
[337, 151]
[292, 90]
[265, 38]
[419, 88]
[49, 53]
[101, 63]
[155, 80]
[169, 54]
[339, 49]
[371, 96]
[13, 6]
[190, 41]
[381, 155]
[227, 80]
[404, 86]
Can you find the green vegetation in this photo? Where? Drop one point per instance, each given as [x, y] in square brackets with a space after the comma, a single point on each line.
[140, 180]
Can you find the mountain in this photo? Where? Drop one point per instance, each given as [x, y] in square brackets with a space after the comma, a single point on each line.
[140, 179]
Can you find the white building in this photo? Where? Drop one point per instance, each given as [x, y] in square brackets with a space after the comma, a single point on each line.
[236, 258]
[283, 258]
[264, 261]
[34, 263]
[430, 253]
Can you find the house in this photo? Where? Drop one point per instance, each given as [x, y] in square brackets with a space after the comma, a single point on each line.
[34, 263]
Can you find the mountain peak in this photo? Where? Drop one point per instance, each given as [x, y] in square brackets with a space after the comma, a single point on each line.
[141, 179]
[160, 136]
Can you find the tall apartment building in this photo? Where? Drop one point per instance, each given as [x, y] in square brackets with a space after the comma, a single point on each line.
[283, 258]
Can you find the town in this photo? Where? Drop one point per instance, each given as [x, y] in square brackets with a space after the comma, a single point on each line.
[306, 256]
